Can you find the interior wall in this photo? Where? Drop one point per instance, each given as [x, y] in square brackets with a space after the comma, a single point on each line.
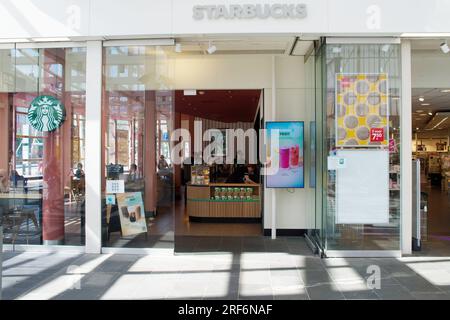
[430, 69]
[430, 144]
[295, 207]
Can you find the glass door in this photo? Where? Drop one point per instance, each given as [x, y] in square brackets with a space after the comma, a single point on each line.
[358, 116]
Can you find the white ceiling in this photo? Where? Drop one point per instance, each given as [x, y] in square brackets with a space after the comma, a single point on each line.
[428, 44]
[244, 45]
[434, 101]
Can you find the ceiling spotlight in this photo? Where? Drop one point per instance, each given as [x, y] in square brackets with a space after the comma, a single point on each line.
[444, 47]
[211, 48]
[178, 48]
[421, 99]
[430, 113]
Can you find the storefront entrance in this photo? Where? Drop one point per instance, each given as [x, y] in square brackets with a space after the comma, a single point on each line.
[344, 96]
[199, 204]
[430, 147]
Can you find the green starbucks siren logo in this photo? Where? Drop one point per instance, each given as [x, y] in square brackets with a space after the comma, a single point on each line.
[46, 113]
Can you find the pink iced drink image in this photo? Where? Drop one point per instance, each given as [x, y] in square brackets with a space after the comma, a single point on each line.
[284, 157]
[294, 153]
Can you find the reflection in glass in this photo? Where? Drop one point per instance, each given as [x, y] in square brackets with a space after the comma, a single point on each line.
[137, 122]
[364, 61]
[42, 198]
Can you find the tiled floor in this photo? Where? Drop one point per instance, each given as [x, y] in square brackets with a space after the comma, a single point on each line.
[252, 269]
[438, 226]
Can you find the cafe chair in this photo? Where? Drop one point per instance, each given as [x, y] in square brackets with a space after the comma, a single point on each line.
[15, 218]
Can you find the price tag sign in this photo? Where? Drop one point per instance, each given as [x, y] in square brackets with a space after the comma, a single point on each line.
[115, 186]
[376, 135]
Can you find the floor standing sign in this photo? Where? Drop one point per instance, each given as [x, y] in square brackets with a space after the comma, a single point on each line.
[132, 214]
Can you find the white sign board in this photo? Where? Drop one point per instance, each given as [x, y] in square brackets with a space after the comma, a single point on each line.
[115, 186]
[335, 163]
[362, 187]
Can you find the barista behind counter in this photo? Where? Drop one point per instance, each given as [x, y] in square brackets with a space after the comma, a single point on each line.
[243, 201]
[244, 174]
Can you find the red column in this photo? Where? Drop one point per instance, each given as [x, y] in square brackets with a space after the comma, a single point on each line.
[4, 131]
[150, 152]
[53, 193]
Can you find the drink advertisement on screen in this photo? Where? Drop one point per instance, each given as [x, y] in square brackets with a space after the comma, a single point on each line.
[285, 156]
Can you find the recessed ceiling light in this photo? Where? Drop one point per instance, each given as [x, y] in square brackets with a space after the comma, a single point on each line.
[421, 99]
[425, 104]
[430, 113]
[417, 128]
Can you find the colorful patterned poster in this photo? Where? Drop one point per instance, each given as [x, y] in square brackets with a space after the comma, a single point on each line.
[131, 212]
[362, 110]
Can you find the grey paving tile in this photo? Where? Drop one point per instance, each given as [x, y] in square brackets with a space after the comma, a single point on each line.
[416, 284]
[255, 291]
[324, 292]
[99, 280]
[393, 292]
[80, 294]
[359, 294]
[314, 277]
[11, 294]
[290, 291]
[430, 296]
[22, 282]
[291, 297]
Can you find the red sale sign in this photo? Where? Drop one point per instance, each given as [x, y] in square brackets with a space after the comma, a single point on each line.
[376, 135]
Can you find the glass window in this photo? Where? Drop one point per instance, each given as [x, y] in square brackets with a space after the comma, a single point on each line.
[41, 164]
[362, 147]
[138, 116]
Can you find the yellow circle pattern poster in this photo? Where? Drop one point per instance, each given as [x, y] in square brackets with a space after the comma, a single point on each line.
[362, 107]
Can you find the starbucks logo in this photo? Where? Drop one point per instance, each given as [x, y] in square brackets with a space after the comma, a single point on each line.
[46, 113]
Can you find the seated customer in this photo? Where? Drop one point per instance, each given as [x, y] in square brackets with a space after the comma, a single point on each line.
[162, 163]
[79, 173]
[132, 176]
[4, 184]
[133, 182]
[15, 177]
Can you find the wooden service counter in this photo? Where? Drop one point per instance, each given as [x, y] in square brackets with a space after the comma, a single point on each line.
[224, 200]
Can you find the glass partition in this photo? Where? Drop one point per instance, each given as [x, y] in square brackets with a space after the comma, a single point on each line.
[42, 109]
[138, 183]
[361, 147]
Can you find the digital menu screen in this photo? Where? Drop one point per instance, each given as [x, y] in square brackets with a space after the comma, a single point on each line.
[284, 166]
